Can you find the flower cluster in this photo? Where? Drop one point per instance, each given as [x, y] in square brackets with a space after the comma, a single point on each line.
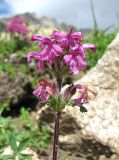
[16, 26]
[63, 55]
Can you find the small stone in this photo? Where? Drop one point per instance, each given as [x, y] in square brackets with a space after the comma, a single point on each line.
[102, 157]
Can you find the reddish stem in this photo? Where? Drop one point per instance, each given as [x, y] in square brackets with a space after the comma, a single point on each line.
[56, 135]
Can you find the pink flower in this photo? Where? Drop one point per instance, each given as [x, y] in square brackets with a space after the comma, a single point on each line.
[69, 92]
[50, 53]
[49, 50]
[88, 46]
[66, 46]
[59, 54]
[76, 57]
[16, 26]
[44, 90]
[41, 66]
[75, 63]
[55, 47]
[68, 39]
[36, 56]
[84, 92]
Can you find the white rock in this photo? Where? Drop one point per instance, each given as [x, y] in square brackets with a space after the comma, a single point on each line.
[102, 120]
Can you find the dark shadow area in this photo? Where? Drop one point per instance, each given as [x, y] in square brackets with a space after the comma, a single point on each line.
[28, 100]
[88, 149]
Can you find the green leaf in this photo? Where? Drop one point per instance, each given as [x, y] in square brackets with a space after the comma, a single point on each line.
[25, 117]
[6, 158]
[12, 143]
[3, 106]
[23, 144]
[83, 109]
[24, 157]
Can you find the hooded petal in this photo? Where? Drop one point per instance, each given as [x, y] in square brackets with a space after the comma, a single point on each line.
[58, 50]
[69, 92]
[81, 62]
[77, 36]
[84, 93]
[67, 59]
[31, 55]
[75, 63]
[43, 91]
[58, 36]
[87, 46]
[74, 67]
[37, 37]
[45, 53]
[37, 92]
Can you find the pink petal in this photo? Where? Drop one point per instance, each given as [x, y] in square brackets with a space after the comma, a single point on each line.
[77, 36]
[45, 53]
[41, 66]
[70, 29]
[37, 37]
[81, 62]
[74, 70]
[57, 49]
[37, 92]
[67, 59]
[69, 92]
[31, 55]
[58, 36]
[89, 46]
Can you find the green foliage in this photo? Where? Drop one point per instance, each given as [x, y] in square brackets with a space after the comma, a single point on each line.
[25, 117]
[4, 106]
[17, 148]
[13, 45]
[13, 143]
[39, 138]
[22, 134]
[6, 48]
[35, 133]
[5, 129]
[8, 68]
[22, 68]
[34, 82]
[57, 104]
[101, 41]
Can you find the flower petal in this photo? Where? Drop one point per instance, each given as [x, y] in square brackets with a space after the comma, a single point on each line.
[41, 66]
[43, 91]
[31, 55]
[57, 49]
[58, 36]
[37, 37]
[87, 46]
[67, 59]
[77, 36]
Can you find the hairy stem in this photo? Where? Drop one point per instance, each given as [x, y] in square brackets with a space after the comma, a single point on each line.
[56, 135]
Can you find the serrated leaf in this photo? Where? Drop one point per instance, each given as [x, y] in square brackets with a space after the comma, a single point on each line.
[12, 143]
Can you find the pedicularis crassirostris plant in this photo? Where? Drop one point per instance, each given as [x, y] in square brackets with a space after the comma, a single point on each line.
[16, 26]
[62, 55]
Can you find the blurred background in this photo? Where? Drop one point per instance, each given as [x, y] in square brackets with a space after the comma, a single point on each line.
[26, 126]
[72, 12]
